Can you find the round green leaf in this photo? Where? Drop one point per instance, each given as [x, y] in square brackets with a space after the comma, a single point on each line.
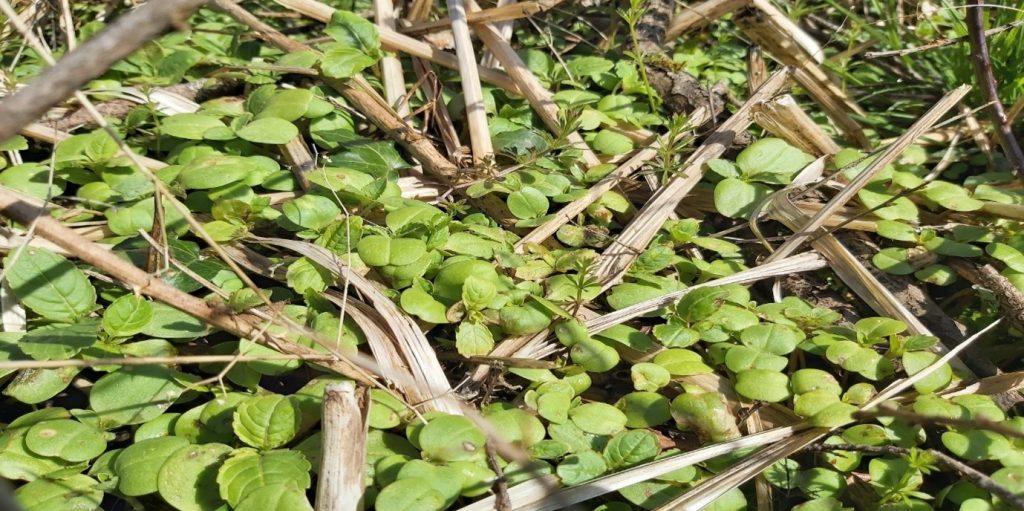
[405, 251]
[916, 361]
[59, 342]
[680, 362]
[473, 339]
[1011, 478]
[581, 467]
[833, 415]
[951, 196]
[771, 156]
[452, 438]
[527, 203]
[810, 403]
[736, 199]
[742, 358]
[938, 274]
[268, 130]
[33, 386]
[126, 316]
[761, 385]
[170, 323]
[188, 479]
[419, 303]
[190, 126]
[311, 211]
[783, 473]
[809, 379]
[34, 179]
[517, 426]
[213, 171]
[411, 494]
[445, 479]
[287, 104]
[644, 409]
[554, 406]
[266, 422]
[821, 482]
[976, 445]
[612, 143]
[49, 284]
[771, 338]
[136, 394]
[598, 418]
[246, 471]
[341, 62]
[523, 319]
[649, 377]
[275, 497]
[707, 414]
[73, 493]
[1010, 256]
[594, 356]
[66, 439]
[878, 328]
[894, 260]
[631, 447]
[139, 464]
[476, 479]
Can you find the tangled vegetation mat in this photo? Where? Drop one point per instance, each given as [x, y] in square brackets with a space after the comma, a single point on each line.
[413, 255]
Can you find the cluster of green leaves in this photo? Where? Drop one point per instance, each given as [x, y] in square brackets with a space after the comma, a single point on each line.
[158, 436]
[901, 482]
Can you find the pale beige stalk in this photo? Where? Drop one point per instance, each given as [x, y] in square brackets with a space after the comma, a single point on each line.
[391, 72]
[890, 154]
[342, 479]
[472, 94]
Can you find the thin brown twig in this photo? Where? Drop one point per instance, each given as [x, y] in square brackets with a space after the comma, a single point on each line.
[502, 501]
[122, 37]
[990, 88]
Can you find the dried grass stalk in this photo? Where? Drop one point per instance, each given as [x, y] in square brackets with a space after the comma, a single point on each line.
[786, 25]
[299, 160]
[342, 479]
[506, 12]
[692, 17]
[783, 118]
[617, 176]
[429, 386]
[757, 70]
[890, 154]
[854, 274]
[990, 386]
[539, 97]
[709, 491]
[473, 96]
[391, 73]
[796, 264]
[12, 313]
[530, 496]
[394, 41]
[764, 31]
[614, 262]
